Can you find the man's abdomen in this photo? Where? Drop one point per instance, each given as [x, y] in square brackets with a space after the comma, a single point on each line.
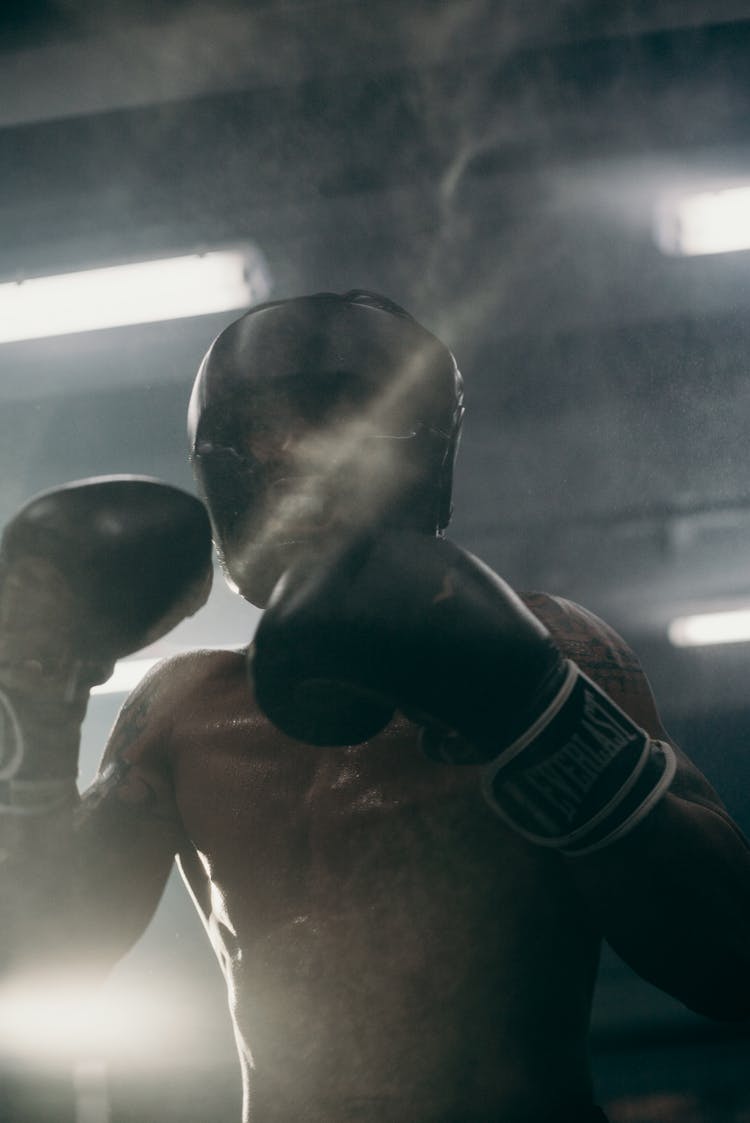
[396, 954]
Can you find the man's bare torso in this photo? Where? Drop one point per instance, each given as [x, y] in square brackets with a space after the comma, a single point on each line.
[392, 951]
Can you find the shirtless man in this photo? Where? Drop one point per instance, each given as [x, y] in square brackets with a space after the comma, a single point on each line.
[409, 914]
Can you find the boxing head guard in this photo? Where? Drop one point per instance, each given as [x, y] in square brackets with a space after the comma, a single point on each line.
[318, 416]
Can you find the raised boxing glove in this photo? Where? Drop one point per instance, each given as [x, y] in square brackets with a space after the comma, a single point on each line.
[89, 572]
[415, 622]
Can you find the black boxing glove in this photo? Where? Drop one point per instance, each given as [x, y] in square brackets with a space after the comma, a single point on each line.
[89, 572]
[418, 623]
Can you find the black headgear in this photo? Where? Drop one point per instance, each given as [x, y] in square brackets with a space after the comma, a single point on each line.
[311, 360]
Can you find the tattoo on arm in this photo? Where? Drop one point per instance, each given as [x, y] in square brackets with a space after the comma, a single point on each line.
[122, 780]
[590, 643]
[131, 723]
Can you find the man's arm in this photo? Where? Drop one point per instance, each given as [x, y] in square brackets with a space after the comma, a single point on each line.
[80, 882]
[89, 572]
[672, 897]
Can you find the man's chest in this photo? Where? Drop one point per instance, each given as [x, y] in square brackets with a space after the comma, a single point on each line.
[285, 830]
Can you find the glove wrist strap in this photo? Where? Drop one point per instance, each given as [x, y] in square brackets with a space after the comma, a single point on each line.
[582, 775]
[22, 793]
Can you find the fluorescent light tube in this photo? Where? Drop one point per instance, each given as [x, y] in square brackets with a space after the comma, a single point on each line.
[139, 293]
[706, 222]
[710, 628]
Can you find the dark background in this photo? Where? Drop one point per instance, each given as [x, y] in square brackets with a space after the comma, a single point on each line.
[496, 168]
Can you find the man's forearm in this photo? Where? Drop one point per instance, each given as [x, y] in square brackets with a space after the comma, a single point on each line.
[36, 873]
[673, 899]
[79, 885]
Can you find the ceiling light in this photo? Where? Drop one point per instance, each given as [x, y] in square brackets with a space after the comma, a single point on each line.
[139, 293]
[710, 628]
[707, 222]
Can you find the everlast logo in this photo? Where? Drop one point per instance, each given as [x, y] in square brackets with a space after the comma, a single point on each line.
[565, 779]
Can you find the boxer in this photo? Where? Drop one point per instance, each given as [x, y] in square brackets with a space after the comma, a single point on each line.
[410, 813]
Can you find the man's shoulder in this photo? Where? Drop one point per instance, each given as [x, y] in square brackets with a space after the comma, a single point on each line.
[175, 681]
[178, 677]
[600, 652]
[201, 662]
[583, 636]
